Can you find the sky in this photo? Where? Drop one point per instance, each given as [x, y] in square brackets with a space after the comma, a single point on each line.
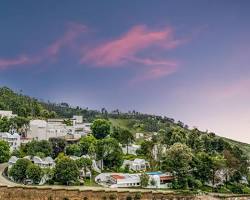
[189, 60]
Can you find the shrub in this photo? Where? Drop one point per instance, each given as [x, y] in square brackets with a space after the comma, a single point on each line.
[137, 196]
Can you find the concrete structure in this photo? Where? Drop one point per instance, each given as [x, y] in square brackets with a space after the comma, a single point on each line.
[136, 164]
[37, 130]
[56, 128]
[77, 119]
[53, 128]
[13, 140]
[43, 130]
[7, 113]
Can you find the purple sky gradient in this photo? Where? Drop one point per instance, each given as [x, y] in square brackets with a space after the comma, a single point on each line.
[189, 60]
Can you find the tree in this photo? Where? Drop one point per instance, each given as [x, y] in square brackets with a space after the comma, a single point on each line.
[146, 149]
[35, 147]
[88, 144]
[4, 151]
[202, 162]
[5, 124]
[66, 170]
[100, 128]
[34, 173]
[110, 152]
[178, 159]
[18, 170]
[85, 163]
[144, 178]
[58, 146]
[124, 136]
[73, 150]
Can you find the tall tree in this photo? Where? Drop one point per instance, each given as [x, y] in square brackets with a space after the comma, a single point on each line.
[100, 128]
[66, 170]
[110, 152]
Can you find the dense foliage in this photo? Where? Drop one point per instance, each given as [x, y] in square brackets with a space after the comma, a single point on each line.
[4, 151]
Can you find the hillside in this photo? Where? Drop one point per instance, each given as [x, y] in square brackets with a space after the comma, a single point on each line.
[26, 106]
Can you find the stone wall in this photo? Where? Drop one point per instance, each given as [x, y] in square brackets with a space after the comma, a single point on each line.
[32, 193]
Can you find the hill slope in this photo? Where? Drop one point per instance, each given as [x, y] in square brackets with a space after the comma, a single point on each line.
[134, 121]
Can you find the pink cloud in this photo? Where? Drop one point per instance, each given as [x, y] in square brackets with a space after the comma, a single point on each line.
[74, 30]
[155, 72]
[117, 51]
[21, 60]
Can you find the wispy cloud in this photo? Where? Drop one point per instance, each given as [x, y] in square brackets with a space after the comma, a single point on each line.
[133, 49]
[118, 51]
[125, 51]
[21, 60]
[74, 30]
[68, 38]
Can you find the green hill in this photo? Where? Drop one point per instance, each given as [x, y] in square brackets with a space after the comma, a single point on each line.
[26, 106]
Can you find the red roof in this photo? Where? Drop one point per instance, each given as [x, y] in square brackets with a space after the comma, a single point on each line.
[117, 176]
[166, 178]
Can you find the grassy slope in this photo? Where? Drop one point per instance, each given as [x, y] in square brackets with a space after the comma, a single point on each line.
[244, 146]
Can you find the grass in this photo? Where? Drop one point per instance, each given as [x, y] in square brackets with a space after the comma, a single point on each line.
[123, 123]
[243, 146]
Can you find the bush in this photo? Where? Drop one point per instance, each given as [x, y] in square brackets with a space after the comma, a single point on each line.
[236, 188]
[246, 190]
[137, 196]
[34, 173]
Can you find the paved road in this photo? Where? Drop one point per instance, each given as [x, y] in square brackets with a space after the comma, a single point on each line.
[3, 180]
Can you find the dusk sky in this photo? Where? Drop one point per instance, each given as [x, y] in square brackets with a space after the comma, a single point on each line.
[189, 60]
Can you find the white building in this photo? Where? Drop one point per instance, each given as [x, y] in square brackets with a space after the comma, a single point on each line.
[136, 164]
[37, 130]
[131, 149]
[43, 130]
[7, 113]
[139, 135]
[12, 161]
[77, 119]
[13, 140]
[125, 180]
[160, 180]
[47, 162]
[120, 180]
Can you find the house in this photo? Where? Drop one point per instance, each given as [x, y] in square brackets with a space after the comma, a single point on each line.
[136, 164]
[13, 139]
[12, 161]
[7, 113]
[124, 180]
[160, 180]
[119, 180]
[47, 162]
[131, 149]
